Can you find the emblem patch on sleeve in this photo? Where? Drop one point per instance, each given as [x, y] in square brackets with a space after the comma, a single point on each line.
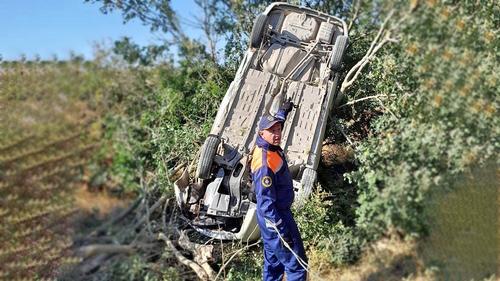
[267, 181]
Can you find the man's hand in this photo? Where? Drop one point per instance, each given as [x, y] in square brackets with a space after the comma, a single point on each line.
[287, 106]
[288, 240]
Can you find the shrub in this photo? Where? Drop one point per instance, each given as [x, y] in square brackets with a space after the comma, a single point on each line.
[441, 120]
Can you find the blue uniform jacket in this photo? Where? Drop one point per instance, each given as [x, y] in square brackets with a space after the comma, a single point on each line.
[274, 190]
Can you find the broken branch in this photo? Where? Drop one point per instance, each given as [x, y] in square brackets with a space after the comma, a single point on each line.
[345, 135]
[200, 272]
[202, 253]
[91, 250]
[149, 211]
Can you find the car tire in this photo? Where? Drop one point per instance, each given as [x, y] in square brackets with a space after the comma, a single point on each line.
[258, 31]
[338, 52]
[208, 150]
[307, 185]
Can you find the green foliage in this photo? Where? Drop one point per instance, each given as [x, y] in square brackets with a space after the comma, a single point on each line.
[313, 219]
[322, 230]
[134, 54]
[342, 245]
[158, 14]
[135, 268]
[435, 118]
[442, 117]
[166, 123]
[247, 267]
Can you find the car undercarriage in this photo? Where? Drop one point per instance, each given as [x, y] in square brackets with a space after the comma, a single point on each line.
[295, 54]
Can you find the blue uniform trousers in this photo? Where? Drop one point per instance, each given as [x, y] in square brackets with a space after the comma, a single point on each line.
[277, 258]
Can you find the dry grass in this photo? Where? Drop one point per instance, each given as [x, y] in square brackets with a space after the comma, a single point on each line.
[388, 259]
[336, 154]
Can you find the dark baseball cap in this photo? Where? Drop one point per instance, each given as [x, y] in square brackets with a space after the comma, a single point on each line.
[267, 121]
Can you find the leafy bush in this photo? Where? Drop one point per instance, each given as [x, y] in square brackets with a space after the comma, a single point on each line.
[248, 267]
[436, 121]
[323, 231]
[313, 219]
[165, 124]
[442, 119]
[136, 268]
[342, 244]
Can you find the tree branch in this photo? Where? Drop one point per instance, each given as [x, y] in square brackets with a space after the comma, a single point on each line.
[91, 250]
[387, 109]
[345, 136]
[356, 13]
[375, 46]
[355, 72]
[362, 99]
[223, 267]
[206, 24]
[149, 211]
[200, 272]
[202, 253]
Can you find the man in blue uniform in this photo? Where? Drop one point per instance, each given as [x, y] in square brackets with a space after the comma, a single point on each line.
[274, 189]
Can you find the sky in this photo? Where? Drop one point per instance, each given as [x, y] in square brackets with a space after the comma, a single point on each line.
[49, 28]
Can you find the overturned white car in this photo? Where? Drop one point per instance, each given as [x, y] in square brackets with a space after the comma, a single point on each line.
[295, 54]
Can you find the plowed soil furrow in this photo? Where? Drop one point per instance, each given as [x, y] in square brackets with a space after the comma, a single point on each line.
[43, 149]
[46, 165]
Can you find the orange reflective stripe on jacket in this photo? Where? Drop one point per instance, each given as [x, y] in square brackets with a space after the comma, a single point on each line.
[274, 161]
